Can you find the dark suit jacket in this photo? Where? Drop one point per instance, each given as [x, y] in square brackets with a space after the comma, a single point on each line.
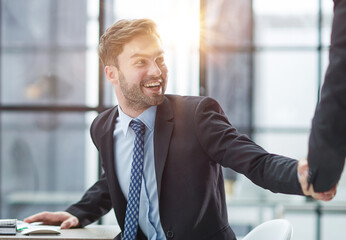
[327, 144]
[192, 139]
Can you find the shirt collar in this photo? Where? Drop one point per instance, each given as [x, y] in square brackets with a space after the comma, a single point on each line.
[147, 117]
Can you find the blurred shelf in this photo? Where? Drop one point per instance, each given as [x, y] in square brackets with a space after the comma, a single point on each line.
[42, 197]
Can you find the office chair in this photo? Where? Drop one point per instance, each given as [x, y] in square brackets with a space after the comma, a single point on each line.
[277, 229]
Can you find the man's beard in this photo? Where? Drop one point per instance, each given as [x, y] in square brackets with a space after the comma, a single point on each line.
[135, 96]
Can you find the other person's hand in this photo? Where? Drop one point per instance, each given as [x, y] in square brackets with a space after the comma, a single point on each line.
[308, 189]
[64, 219]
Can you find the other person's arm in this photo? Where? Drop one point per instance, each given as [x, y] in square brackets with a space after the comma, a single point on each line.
[327, 143]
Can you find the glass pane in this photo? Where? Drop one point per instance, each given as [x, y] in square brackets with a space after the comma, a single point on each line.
[47, 161]
[228, 23]
[229, 82]
[43, 78]
[327, 19]
[333, 224]
[285, 88]
[290, 144]
[25, 22]
[48, 53]
[41, 23]
[304, 223]
[285, 23]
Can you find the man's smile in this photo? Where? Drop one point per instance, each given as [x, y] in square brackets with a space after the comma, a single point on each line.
[153, 84]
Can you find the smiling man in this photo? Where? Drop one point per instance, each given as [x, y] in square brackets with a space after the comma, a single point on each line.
[163, 176]
[139, 75]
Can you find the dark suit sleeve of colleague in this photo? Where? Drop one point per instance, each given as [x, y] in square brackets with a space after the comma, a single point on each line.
[327, 143]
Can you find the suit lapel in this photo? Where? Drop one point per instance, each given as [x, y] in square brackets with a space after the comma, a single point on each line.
[107, 154]
[162, 136]
[106, 145]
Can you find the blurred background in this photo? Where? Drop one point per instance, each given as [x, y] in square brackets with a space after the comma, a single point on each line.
[263, 60]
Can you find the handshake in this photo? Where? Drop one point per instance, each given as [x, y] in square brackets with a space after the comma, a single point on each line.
[307, 188]
[67, 220]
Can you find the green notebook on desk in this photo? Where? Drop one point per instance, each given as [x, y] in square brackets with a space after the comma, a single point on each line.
[8, 226]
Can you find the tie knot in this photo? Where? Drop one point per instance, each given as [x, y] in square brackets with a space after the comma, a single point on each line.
[138, 126]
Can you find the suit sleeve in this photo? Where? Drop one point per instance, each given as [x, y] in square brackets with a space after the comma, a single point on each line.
[96, 201]
[327, 142]
[231, 149]
[94, 204]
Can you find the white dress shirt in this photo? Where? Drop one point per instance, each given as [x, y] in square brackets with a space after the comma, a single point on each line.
[149, 218]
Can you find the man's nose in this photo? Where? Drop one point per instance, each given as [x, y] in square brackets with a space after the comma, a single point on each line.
[154, 70]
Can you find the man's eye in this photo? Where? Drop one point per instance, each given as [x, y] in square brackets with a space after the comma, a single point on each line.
[140, 62]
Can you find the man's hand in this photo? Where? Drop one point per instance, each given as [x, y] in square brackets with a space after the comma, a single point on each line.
[308, 190]
[64, 219]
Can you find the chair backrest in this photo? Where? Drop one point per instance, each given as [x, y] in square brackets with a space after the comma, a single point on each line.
[277, 229]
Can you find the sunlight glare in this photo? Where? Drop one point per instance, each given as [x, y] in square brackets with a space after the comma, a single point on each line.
[179, 27]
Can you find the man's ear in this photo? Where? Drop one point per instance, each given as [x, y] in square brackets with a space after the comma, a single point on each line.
[112, 74]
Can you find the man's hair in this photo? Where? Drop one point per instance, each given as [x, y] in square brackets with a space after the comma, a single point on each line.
[123, 31]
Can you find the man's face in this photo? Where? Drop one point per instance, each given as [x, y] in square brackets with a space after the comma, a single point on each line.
[142, 74]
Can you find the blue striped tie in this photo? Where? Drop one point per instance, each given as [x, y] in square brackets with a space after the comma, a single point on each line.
[132, 209]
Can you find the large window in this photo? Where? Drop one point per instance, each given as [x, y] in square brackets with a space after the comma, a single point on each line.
[51, 89]
[263, 60]
[291, 43]
[48, 97]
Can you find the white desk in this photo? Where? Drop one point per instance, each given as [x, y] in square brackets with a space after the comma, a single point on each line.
[94, 232]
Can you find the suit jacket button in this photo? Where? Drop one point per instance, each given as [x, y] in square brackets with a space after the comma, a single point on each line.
[169, 234]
